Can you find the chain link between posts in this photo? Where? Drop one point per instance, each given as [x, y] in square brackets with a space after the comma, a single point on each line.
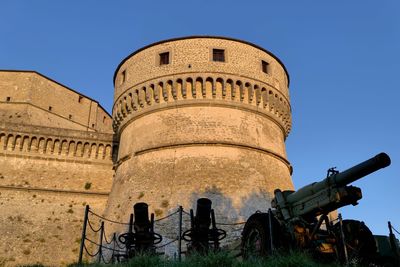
[118, 249]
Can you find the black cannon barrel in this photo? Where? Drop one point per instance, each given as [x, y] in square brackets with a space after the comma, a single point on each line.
[141, 211]
[203, 212]
[348, 176]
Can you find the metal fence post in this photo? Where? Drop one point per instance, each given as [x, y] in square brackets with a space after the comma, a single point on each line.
[343, 240]
[114, 239]
[85, 219]
[101, 242]
[270, 230]
[180, 234]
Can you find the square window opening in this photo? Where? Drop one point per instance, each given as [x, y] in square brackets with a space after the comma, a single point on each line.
[265, 66]
[164, 58]
[8, 99]
[219, 55]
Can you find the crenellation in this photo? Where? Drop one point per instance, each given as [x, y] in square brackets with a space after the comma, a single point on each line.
[34, 144]
[210, 88]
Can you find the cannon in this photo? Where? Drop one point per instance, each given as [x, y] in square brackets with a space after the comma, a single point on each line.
[140, 237]
[200, 237]
[299, 219]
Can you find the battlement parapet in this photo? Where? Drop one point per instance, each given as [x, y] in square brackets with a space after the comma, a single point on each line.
[46, 142]
[207, 89]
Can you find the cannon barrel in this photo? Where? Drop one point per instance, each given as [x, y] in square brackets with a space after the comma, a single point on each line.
[141, 211]
[203, 212]
[369, 166]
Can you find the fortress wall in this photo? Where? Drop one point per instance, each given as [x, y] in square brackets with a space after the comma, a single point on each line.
[46, 93]
[47, 176]
[103, 121]
[37, 157]
[15, 85]
[43, 227]
[50, 104]
[14, 113]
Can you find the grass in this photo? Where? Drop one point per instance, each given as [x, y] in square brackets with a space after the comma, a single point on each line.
[221, 259]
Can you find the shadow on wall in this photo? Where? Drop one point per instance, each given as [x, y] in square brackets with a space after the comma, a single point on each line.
[226, 210]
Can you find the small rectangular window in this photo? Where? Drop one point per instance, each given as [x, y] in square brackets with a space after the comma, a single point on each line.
[164, 58]
[104, 119]
[80, 99]
[219, 55]
[70, 116]
[8, 99]
[265, 66]
[92, 125]
[50, 108]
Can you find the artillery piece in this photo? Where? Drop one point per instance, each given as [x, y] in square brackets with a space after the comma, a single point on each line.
[143, 238]
[297, 217]
[200, 237]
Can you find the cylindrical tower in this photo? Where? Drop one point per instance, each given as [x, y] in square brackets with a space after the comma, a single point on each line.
[200, 117]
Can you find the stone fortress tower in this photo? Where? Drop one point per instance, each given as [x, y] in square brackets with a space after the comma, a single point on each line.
[200, 117]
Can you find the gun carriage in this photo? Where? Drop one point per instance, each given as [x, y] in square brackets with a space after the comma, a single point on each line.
[200, 237]
[299, 219]
[140, 237]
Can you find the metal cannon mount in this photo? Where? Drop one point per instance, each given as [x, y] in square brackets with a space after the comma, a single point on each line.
[140, 237]
[200, 236]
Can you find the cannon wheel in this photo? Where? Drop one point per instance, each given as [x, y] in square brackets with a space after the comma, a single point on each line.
[360, 242]
[256, 237]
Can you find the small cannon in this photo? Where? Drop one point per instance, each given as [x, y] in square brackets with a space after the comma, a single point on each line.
[143, 238]
[297, 217]
[200, 237]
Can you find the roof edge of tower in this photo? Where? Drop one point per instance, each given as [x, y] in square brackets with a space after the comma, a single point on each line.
[197, 37]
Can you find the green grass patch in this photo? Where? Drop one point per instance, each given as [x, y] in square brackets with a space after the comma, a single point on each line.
[222, 259]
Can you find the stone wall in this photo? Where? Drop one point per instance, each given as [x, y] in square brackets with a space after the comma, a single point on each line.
[56, 156]
[31, 98]
[47, 176]
[45, 227]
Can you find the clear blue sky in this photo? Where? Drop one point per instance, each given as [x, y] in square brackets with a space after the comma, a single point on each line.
[343, 58]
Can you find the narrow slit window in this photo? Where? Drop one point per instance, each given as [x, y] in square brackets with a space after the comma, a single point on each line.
[123, 76]
[219, 55]
[80, 98]
[70, 116]
[164, 58]
[265, 66]
[50, 108]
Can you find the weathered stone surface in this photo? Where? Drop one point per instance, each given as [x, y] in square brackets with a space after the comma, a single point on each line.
[52, 163]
